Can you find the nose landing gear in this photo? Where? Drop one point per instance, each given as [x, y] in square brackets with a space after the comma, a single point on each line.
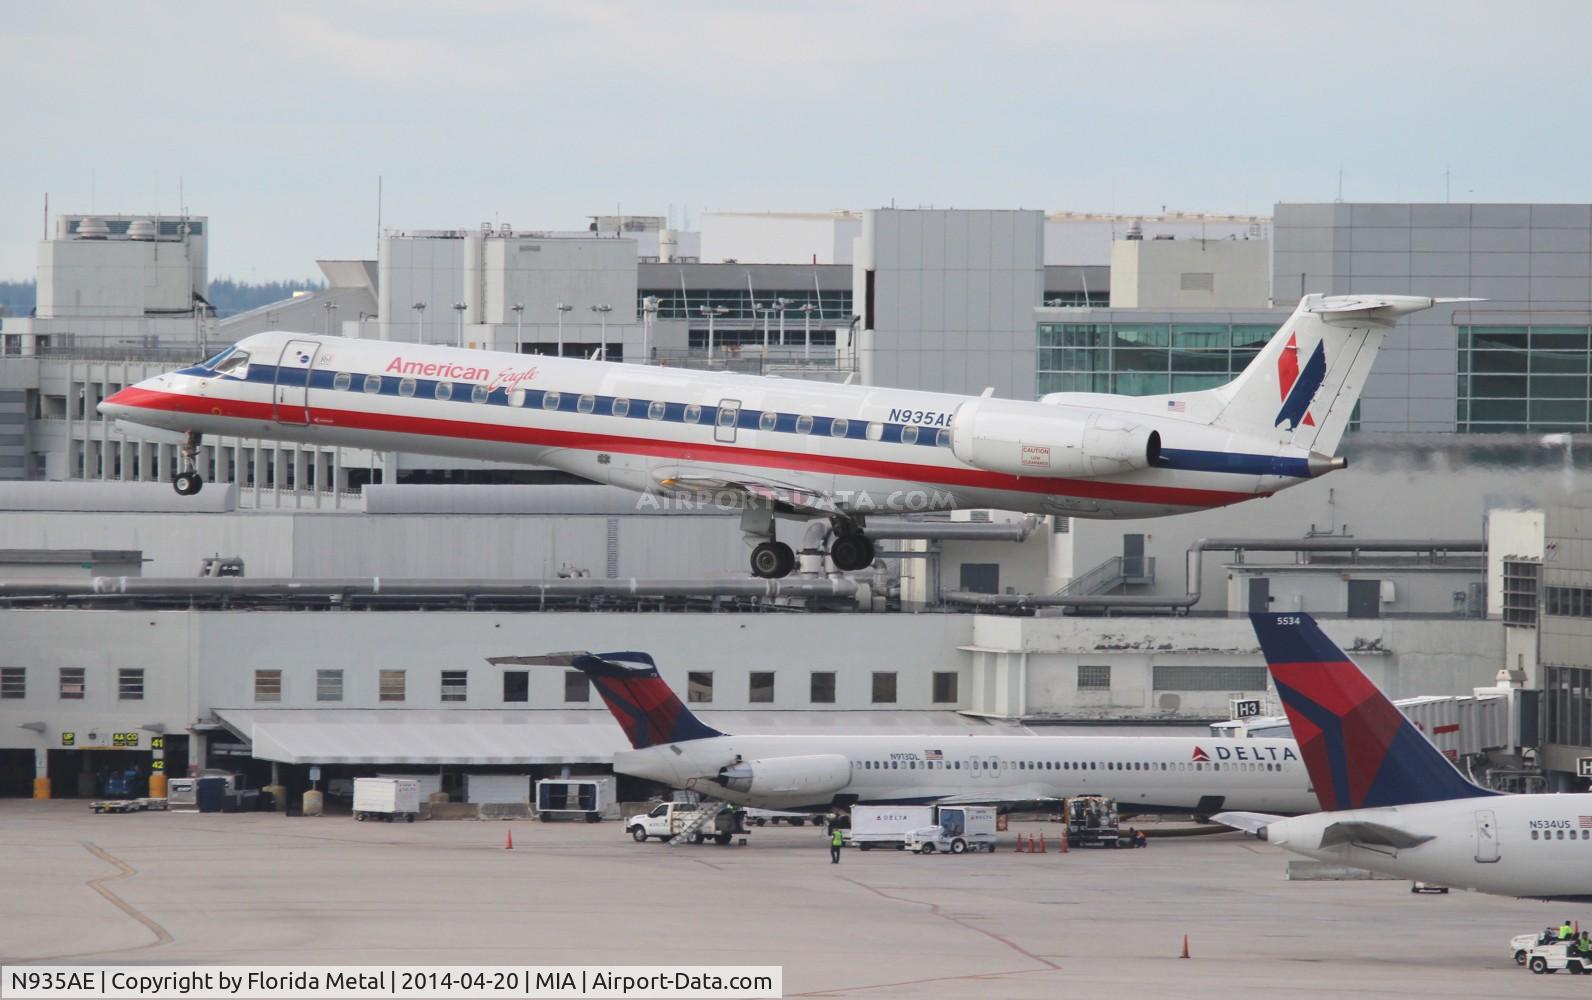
[188, 482]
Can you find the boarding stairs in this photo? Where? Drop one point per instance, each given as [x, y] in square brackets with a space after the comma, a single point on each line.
[697, 826]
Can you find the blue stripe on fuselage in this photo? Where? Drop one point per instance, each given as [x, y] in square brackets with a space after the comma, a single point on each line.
[1234, 462]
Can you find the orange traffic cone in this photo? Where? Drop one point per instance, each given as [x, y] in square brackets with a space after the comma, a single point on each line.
[1042, 843]
[1185, 947]
[1062, 849]
[509, 846]
[1020, 844]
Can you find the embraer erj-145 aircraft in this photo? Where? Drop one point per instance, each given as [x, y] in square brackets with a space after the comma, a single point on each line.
[791, 448]
[820, 772]
[1392, 802]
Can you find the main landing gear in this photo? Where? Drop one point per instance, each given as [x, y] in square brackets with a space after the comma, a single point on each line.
[187, 482]
[850, 550]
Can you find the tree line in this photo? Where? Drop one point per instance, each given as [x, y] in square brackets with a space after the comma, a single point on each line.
[226, 295]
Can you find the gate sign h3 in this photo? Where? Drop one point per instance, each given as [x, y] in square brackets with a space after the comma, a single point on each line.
[1583, 767]
[1246, 708]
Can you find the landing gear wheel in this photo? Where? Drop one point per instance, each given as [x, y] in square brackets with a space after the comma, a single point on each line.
[187, 483]
[851, 552]
[772, 560]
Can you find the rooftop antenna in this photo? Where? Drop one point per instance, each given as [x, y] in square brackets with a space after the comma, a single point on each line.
[378, 215]
[46, 215]
[1340, 184]
[1448, 185]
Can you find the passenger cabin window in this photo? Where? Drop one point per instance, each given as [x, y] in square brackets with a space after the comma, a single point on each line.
[943, 438]
[655, 410]
[909, 434]
[237, 366]
[839, 427]
[586, 404]
[372, 383]
[804, 424]
[479, 394]
[693, 413]
[342, 380]
[550, 400]
[767, 421]
[406, 387]
[621, 407]
[444, 390]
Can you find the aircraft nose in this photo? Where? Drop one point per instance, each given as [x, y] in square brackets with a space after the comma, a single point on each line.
[127, 402]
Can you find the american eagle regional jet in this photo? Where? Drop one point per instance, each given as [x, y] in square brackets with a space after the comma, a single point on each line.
[820, 772]
[778, 447]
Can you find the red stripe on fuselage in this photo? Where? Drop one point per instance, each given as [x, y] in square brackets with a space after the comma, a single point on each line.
[869, 468]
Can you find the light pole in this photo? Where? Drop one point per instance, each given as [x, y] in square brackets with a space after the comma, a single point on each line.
[710, 313]
[420, 322]
[649, 313]
[765, 310]
[602, 310]
[779, 307]
[460, 307]
[562, 309]
[331, 316]
[518, 309]
[807, 330]
[363, 316]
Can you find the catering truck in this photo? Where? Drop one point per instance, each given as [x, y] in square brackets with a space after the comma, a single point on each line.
[886, 827]
[957, 830]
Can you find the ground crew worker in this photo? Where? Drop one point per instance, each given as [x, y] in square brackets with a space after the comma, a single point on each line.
[1566, 931]
[835, 840]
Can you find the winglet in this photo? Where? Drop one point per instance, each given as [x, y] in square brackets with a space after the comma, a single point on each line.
[630, 685]
[1359, 748]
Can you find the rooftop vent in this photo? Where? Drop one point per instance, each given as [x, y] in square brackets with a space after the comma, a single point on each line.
[140, 229]
[93, 229]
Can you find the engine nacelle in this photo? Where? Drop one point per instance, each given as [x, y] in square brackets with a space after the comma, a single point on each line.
[1030, 439]
[813, 774]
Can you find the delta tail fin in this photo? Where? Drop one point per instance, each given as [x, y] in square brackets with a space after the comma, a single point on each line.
[640, 699]
[1305, 382]
[1360, 750]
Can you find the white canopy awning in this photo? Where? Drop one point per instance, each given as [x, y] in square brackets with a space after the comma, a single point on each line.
[529, 736]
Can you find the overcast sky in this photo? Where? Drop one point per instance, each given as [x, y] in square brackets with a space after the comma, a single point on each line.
[278, 117]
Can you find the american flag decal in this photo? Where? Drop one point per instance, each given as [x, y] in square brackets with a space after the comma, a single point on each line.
[937, 755]
[1176, 406]
[1586, 822]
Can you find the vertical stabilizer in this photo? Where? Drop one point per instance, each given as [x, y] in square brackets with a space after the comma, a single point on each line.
[641, 701]
[1359, 748]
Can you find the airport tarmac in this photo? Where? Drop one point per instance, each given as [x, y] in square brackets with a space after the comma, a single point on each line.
[267, 889]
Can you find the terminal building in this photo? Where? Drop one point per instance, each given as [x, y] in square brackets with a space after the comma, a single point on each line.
[374, 586]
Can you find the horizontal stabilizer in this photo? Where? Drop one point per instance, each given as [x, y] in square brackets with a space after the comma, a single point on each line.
[1374, 310]
[1247, 822]
[1364, 834]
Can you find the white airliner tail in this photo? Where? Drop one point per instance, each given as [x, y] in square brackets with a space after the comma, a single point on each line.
[1305, 383]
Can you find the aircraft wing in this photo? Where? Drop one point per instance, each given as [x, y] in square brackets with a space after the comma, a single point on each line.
[704, 483]
[1362, 834]
[1021, 794]
[1245, 821]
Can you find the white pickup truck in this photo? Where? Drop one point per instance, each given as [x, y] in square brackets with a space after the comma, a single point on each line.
[665, 821]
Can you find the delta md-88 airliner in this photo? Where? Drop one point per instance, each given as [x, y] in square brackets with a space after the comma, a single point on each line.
[779, 447]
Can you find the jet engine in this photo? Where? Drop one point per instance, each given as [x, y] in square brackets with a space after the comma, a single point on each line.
[813, 774]
[1029, 439]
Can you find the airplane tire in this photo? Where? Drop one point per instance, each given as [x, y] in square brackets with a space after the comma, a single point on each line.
[772, 560]
[851, 553]
[187, 483]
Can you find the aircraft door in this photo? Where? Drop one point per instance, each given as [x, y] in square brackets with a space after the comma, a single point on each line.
[293, 381]
[977, 765]
[1486, 836]
[728, 420]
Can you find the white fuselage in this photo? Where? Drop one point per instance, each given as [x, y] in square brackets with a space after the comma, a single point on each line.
[1152, 773]
[656, 429]
[1509, 845]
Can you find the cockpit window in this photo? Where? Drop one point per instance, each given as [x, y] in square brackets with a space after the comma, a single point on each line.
[237, 365]
[217, 359]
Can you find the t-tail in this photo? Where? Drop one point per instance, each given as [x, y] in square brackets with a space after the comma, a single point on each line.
[1360, 750]
[646, 708]
[1304, 384]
